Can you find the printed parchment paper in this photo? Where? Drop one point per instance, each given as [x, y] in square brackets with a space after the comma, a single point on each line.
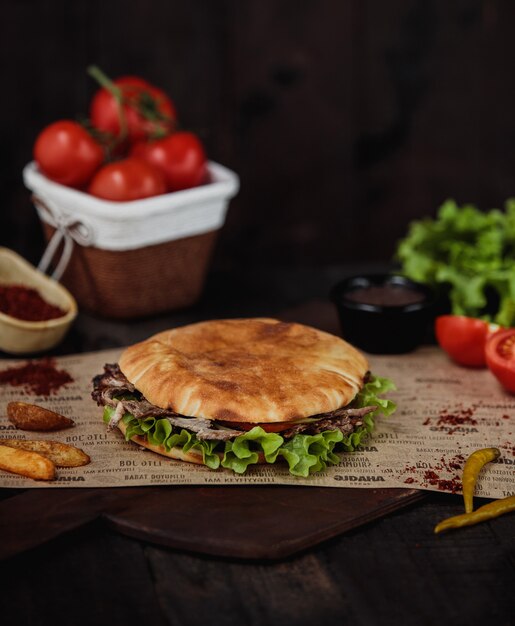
[444, 413]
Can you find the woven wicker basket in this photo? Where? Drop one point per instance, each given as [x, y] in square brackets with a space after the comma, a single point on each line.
[140, 282]
[143, 257]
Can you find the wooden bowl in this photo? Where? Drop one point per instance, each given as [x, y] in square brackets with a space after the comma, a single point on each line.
[23, 337]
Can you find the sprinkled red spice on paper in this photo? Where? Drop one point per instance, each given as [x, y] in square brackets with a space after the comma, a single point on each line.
[433, 475]
[456, 418]
[453, 485]
[40, 378]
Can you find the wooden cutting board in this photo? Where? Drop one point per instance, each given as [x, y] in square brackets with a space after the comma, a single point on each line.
[251, 522]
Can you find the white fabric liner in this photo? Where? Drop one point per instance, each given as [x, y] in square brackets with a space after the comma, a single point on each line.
[129, 225]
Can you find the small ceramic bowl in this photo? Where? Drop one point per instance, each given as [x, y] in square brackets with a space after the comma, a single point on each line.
[383, 313]
[23, 337]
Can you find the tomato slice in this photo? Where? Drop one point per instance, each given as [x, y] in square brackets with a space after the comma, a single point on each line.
[500, 357]
[464, 338]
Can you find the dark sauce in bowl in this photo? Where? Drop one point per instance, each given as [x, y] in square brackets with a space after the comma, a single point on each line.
[385, 295]
[383, 313]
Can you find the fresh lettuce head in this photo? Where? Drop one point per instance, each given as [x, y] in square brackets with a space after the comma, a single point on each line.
[471, 253]
[304, 454]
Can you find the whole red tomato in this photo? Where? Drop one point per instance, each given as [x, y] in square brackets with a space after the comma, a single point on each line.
[66, 153]
[500, 357]
[146, 110]
[180, 156]
[464, 338]
[129, 179]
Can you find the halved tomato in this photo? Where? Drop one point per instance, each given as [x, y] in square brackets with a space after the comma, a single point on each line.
[464, 338]
[500, 357]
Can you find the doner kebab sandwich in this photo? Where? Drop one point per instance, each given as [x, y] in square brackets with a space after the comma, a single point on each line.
[237, 392]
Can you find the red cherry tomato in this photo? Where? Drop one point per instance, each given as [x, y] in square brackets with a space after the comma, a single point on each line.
[146, 108]
[129, 179]
[464, 338]
[181, 158]
[66, 153]
[500, 357]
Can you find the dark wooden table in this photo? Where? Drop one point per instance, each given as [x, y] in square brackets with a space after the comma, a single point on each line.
[391, 571]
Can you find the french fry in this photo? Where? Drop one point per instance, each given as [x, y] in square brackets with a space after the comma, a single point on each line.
[61, 454]
[32, 417]
[29, 464]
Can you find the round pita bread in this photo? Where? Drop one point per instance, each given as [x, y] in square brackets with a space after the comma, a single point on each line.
[246, 370]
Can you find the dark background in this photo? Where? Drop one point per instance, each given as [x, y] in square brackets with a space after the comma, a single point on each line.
[345, 119]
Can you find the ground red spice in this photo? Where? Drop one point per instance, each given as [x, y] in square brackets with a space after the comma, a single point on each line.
[26, 304]
[459, 417]
[433, 478]
[455, 463]
[40, 378]
[509, 447]
[453, 485]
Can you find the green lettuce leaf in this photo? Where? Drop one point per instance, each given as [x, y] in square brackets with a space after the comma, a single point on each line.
[245, 449]
[307, 454]
[304, 454]
[161, 432]
[468, 252]
[370, 395]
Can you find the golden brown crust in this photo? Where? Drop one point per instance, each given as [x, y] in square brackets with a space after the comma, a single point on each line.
[246, 370]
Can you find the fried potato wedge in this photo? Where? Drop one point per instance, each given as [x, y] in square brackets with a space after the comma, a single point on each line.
[61, 454]
[26, 463]
[32, 417]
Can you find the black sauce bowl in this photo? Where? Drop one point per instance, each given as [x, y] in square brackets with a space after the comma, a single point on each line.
[383, 328]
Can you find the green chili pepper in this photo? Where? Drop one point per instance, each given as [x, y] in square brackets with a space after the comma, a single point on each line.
[484, 513]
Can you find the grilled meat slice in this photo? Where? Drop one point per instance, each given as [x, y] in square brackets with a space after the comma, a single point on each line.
[346, 420]
[204, 429]
[110, 384]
